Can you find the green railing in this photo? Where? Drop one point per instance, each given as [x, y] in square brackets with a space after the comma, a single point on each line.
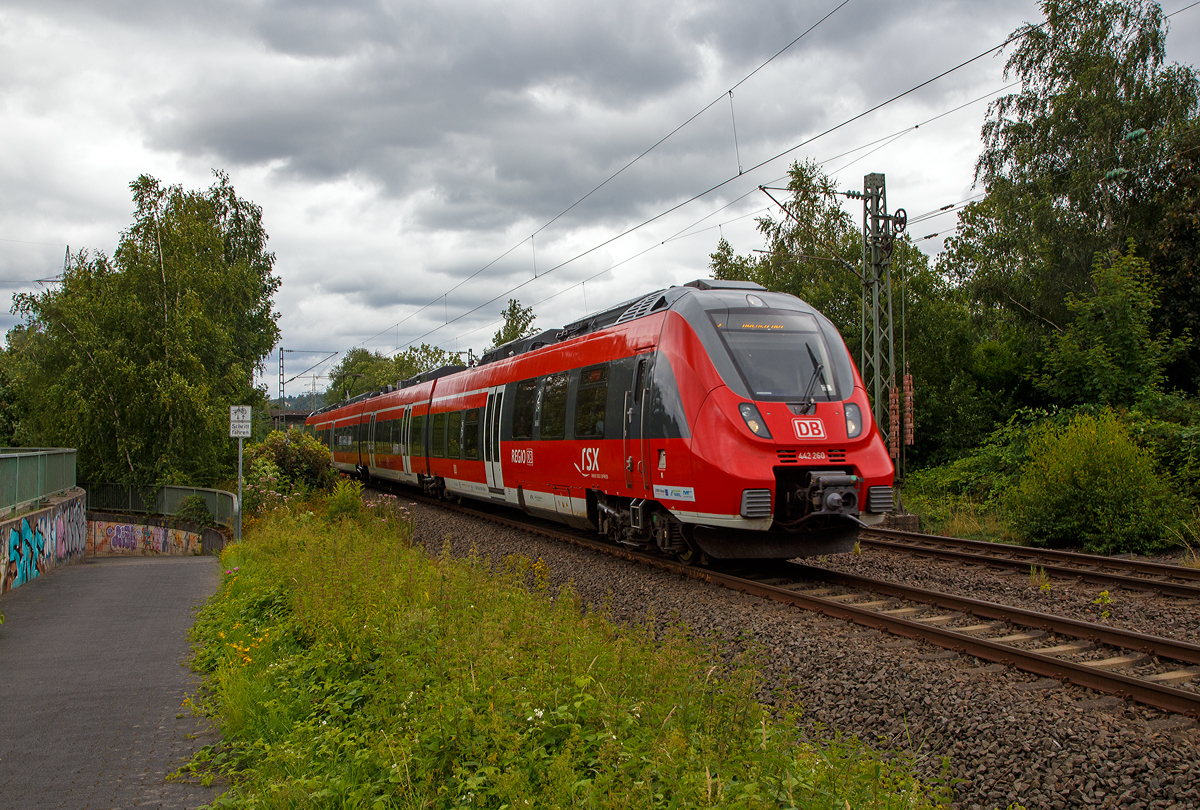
[222, 505]
[28, 474]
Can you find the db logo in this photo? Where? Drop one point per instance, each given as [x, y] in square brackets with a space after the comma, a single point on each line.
[809, 428]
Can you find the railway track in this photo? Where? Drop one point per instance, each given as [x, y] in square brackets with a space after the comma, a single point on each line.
[1168, 580]
[1152, 670]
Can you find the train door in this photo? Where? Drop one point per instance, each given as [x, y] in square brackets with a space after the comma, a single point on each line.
[491, 440]
[405, 425]
[637, 406]
[370, 454]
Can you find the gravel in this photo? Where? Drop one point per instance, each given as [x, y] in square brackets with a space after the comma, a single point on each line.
[1006, 736]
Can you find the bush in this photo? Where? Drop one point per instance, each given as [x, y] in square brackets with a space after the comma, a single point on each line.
[1169, 427]
[195, 509]
[1089, 486]
[298, 457]
[267, 489]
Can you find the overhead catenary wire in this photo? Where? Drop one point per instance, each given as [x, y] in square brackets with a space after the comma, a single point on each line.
[724, 183]
[784, 153]
[621, 170]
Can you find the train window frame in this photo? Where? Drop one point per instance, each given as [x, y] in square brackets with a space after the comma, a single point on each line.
[583, 394]
[454, 434]
[416, 436]
[470, 450]
[738, 351]
[437, 436]
[553, 406]
[525, 405]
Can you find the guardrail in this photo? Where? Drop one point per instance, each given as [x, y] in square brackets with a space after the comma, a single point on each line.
[159, 501]
[28, 474]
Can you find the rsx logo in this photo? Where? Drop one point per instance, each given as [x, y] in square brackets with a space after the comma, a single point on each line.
[590, 460]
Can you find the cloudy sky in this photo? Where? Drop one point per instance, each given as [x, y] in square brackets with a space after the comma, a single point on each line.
[414, 160]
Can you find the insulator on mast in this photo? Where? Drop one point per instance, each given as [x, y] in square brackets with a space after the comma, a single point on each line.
[894, 419]
[908, 409]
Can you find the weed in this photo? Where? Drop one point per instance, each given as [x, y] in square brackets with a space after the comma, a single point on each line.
[1039, 579]
[1104, 600]
[345, 501]
[1188, 534]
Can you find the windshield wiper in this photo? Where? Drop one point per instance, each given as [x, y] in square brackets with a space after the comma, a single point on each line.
[810, 404]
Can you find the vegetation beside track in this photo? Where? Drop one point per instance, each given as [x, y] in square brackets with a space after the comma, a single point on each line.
[347, 668]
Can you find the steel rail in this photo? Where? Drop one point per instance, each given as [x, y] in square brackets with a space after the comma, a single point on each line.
[1103, 634]
[1182, 590]
[1068, 557]
[1142, 691]
[1152, 694]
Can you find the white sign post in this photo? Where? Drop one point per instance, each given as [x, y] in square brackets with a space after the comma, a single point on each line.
[239, 428]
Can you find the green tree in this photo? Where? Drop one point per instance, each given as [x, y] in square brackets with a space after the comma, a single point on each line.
[419, 359]
[134, 359]
[1174, 254]
[1109, 354]
[1091, 75]
[815, 253]
[963, 374]
[9, 408]
[518, 323]
[361, 370]
[358, 371]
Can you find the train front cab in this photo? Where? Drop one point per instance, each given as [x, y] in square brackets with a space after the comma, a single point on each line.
[785, 457]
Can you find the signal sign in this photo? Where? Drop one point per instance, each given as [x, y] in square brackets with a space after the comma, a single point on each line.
[239, 421]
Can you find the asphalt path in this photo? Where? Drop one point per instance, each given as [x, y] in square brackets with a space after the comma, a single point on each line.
[92, 677]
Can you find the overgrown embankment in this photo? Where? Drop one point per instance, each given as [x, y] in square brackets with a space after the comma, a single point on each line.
[1095, 479]
[349, 669]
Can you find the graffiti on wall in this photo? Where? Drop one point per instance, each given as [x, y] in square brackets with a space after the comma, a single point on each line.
[136, 538]
[33, 544]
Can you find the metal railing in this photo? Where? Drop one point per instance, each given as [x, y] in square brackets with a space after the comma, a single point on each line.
[165, 500]
[28, 474]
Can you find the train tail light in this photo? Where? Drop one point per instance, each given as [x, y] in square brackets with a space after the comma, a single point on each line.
[854, 423]
[754, 420]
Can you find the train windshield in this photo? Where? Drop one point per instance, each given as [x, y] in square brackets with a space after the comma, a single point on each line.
[780, 354]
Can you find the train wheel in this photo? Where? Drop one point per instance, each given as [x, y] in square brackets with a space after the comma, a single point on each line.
[691, 554]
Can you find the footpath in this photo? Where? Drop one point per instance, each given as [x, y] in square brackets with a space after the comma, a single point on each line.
[92, 676]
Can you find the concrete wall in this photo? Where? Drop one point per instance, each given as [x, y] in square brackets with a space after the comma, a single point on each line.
[114, 535]
[32, 544]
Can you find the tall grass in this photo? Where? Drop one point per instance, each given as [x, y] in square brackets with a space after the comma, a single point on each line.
[348, 669]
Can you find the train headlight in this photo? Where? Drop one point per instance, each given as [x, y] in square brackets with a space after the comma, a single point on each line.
[854, 421]
[754, 420]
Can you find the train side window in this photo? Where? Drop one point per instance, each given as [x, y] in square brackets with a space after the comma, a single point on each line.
[524, 408]
[416, 445]
[470, 434]
[554, 407]
[590, 402]
[454, 434]
[437, 436]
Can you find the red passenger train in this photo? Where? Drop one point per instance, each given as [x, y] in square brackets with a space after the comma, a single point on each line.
[714, 419]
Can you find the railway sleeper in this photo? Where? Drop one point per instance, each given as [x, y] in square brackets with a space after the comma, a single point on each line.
[1118, 662]
[1072, 648]
[1175, 677]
